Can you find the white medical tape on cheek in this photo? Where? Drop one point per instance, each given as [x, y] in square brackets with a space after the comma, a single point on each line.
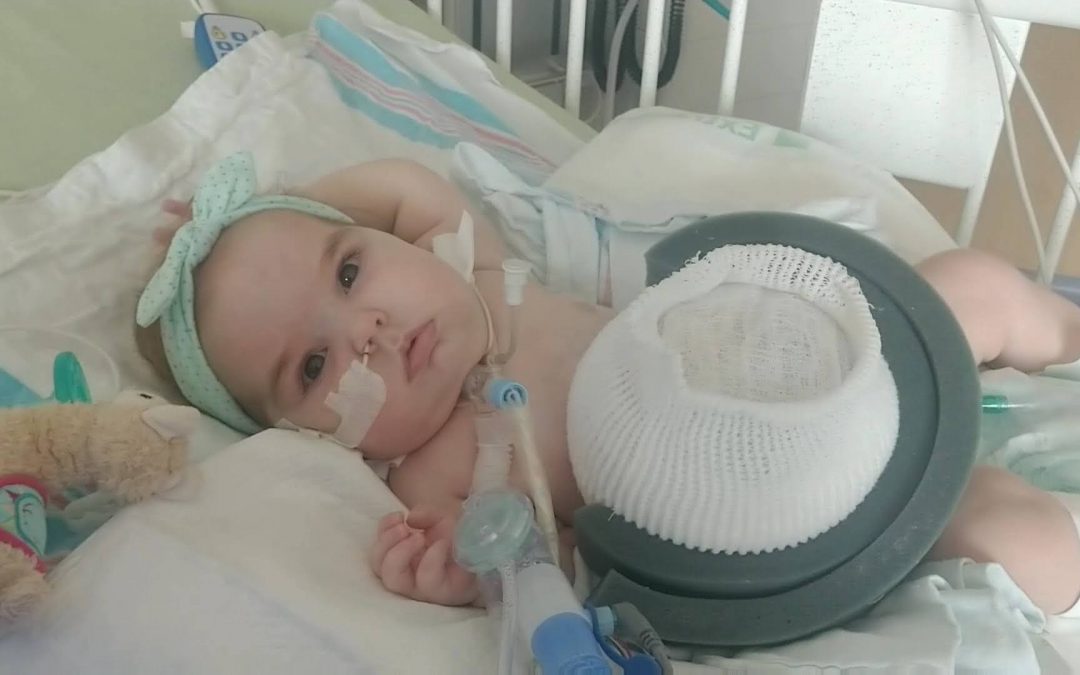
[358, 400]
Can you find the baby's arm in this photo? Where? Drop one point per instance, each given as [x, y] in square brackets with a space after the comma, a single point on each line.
[407, 200]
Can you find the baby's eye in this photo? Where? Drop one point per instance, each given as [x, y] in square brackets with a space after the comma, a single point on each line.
[347, 274]
[313, 366]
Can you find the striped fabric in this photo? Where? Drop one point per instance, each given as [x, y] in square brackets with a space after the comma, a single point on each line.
[410, 104]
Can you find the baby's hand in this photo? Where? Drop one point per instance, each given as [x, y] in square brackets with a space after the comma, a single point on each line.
[175, 207]
[413, 557]
[181, 212]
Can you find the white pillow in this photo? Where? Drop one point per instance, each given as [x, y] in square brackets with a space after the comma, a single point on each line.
[653, 164]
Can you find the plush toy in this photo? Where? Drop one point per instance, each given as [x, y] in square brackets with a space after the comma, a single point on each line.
[129, 449]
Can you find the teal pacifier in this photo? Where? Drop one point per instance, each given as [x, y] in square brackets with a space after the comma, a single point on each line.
[69, 385]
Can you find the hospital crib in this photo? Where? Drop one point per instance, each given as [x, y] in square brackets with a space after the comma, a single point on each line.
[956, 155]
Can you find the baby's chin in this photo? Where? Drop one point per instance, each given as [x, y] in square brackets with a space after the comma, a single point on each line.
[402, 430]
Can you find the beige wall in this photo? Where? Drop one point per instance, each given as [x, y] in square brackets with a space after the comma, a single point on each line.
[1052, 62]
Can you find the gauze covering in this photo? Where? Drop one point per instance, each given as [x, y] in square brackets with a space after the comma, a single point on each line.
[741, 406]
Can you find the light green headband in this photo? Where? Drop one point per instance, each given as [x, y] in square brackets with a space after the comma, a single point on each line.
[225, 195]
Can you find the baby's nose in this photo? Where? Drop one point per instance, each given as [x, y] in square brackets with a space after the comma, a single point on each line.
[367, 327]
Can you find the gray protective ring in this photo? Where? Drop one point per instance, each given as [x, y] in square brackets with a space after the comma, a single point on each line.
[724, 601]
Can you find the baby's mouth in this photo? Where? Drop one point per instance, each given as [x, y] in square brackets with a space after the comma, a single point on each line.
[418, 346]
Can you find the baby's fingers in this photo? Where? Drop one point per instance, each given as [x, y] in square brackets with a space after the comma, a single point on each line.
[387, 539]
[390, 520]
[396, 570]
[423, 517]
[441, 580]
[177, 208]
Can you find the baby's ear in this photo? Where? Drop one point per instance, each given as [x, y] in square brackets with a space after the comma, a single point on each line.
[181, 210]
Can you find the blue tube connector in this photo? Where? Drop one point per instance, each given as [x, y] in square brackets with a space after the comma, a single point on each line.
[502, 394]
[564, 644]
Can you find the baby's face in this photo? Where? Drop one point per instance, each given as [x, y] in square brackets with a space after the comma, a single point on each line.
[286, 302]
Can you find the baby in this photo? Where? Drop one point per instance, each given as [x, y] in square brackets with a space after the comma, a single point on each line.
[289, 296]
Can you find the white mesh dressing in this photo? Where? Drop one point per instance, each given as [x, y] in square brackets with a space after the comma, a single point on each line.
[757, 343]
[740, 406]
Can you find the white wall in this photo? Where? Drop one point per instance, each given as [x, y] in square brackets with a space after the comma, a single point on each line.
[908, 88]
[776, 54]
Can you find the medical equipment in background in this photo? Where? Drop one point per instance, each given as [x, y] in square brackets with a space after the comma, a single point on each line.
[542, 64]
[703, 593]
[512, 549]
[610, 62]
[510, 541]
[627, 60]
[613, 58]
[1050, 253]
[215, 34]
[1049, 11]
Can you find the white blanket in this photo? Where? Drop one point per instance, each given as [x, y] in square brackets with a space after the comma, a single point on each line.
[264, 573]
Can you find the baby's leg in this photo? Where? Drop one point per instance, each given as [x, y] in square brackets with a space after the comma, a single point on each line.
[1008, 319]
[1003, 519]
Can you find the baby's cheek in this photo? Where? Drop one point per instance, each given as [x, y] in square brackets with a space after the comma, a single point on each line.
[399, 430]
[393, 435]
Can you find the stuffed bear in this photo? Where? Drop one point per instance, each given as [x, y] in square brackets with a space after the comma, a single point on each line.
[130, 449]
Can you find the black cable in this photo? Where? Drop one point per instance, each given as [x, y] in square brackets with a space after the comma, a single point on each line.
[477, 24]
[671, 52]
[598, 47]
[556, 28]
[629, 62]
